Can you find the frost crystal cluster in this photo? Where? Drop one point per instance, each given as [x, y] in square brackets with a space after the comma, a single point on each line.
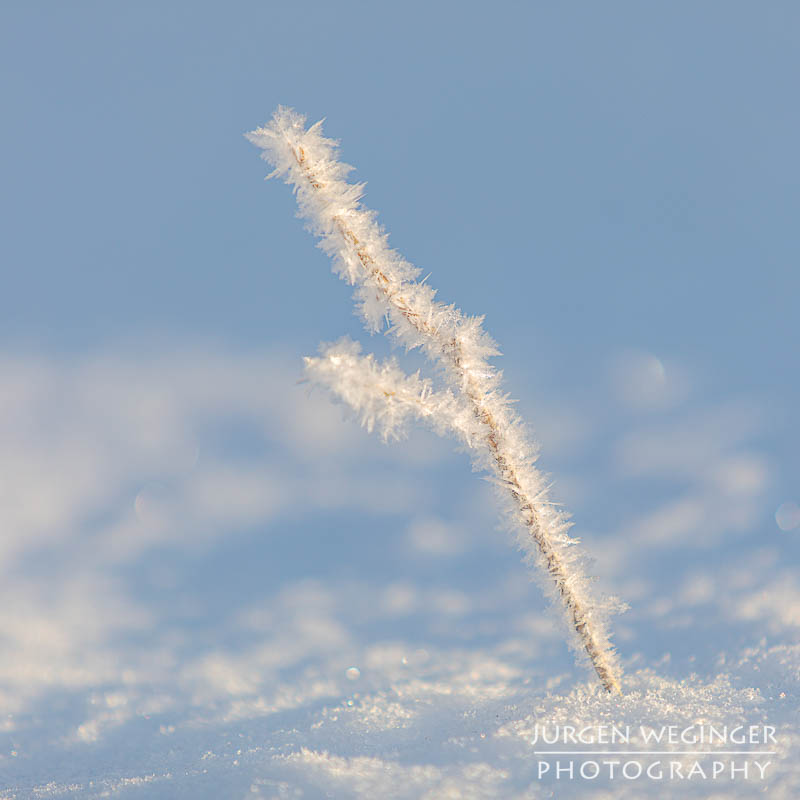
[472, 408]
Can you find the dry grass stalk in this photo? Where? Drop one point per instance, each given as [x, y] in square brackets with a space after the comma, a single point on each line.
[494, 433]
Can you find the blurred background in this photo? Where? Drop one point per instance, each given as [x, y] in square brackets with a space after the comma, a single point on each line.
[187, 534]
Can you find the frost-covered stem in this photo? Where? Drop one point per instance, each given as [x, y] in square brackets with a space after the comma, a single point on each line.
[383, 395]
[451, 352]
[447, 337]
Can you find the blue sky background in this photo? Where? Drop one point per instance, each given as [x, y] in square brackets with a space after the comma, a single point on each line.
[615, 185]
[589, 176]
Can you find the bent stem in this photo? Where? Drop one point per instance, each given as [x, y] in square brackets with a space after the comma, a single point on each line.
[474, 378]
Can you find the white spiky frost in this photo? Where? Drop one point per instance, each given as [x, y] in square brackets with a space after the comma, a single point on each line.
[384, 397]
[474, 409]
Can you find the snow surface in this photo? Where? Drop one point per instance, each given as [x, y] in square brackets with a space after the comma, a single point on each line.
[214, 587]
